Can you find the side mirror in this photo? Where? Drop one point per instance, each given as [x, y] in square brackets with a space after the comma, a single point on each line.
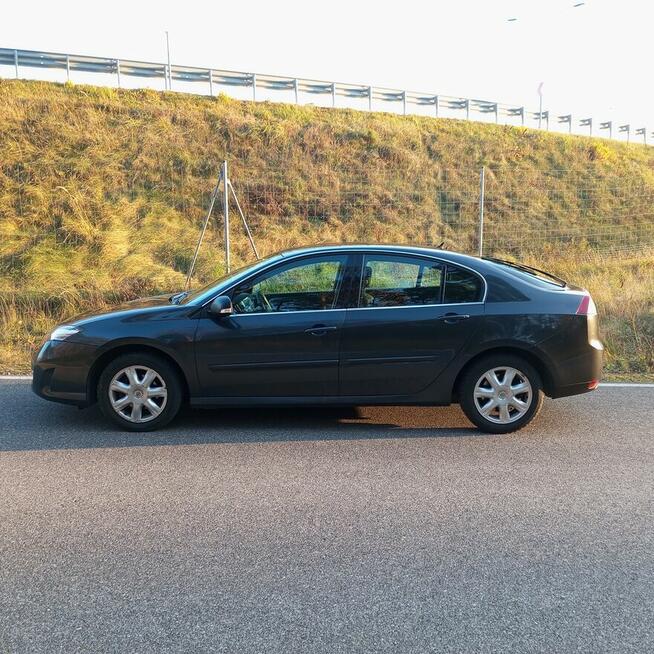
[221, 306]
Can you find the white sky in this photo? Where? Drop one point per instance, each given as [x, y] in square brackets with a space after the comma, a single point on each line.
[594, 60]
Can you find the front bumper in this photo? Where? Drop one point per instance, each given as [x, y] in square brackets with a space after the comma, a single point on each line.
[60, 371]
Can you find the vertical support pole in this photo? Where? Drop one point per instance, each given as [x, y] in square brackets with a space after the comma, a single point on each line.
[295, 89]
[497, 113]
[169, 76]
[436, 105]
[570, 125]
[482, 189]
[522, 115]
[68, 68]
[210, 82]
[467, 109]
[370, 98]
[226, 214]
[540, 111]
[590, 125]
[118, 71]
[333, 94]
[254, 87]
[404, 103]
[16, 62]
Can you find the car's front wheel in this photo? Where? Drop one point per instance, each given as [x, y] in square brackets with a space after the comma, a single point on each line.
[501, 393]
[139, 391]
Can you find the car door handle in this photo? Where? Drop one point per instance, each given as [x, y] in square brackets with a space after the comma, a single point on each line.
[453, 318]
[320, 330]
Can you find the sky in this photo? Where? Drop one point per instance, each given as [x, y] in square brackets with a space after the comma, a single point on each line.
[594, 60]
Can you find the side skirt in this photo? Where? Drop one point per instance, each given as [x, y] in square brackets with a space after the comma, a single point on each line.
[336, 400]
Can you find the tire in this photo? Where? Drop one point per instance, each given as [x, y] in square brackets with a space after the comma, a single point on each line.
[478, 390]
[139, 378]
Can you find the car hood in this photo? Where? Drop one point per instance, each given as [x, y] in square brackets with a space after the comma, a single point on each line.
[124, 307]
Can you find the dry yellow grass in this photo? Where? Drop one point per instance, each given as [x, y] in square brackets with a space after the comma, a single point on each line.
[102, 193]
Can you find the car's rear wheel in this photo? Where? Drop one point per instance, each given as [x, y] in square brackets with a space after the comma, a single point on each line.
[501, 393]
[139, 391]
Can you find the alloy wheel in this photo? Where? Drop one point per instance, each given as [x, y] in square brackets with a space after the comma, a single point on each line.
[503, 395]
[138, 394]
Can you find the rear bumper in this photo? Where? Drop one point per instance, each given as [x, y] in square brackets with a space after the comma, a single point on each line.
[60, 370]
[580, 373]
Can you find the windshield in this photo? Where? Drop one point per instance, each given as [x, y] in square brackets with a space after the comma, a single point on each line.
[197, 295]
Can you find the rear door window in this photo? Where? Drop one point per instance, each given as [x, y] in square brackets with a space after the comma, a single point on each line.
[397, 281]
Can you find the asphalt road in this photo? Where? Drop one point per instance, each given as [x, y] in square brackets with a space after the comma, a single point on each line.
[367, 530]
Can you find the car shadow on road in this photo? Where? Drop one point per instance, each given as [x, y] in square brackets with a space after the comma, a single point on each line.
[45, 426]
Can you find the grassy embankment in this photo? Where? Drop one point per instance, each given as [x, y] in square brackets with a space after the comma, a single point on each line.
[102, 193]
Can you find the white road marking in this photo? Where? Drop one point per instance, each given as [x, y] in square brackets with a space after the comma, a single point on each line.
[631, 384]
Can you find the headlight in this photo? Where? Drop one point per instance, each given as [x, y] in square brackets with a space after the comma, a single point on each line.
[62, 332]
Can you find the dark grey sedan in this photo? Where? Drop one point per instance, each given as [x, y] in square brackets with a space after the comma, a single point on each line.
[337, 325]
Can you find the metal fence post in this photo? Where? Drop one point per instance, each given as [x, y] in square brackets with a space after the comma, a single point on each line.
[254, 87]
[482, 188]
[16, 62]
[226, 214]
[436, 105]
[333, 94]
[404, 103]
[295, 89]
[68, 68]
[210, 82]
[370, 98]
[118, 71]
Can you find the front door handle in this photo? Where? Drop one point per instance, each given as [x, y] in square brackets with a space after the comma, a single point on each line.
[320, 330]
[453, 318]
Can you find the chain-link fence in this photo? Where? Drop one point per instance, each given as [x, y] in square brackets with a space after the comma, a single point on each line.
[523, 213]
[527, 211]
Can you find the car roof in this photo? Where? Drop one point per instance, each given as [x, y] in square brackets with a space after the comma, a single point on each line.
[377, 247]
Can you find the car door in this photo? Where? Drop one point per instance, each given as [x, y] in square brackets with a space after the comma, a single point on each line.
[283, 338]
[412, 316]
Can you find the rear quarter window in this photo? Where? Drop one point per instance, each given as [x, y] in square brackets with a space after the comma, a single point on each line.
[462, 286]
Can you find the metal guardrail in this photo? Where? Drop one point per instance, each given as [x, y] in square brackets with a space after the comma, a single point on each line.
[255, 81]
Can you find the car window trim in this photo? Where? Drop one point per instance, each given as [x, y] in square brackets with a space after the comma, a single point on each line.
[444, 263]
[360, 253]
[342, 276]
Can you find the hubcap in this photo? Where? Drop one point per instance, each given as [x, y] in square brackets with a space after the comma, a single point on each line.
[503, 395]
[138, 393]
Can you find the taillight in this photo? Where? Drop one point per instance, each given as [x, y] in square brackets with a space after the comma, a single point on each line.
[586, 306]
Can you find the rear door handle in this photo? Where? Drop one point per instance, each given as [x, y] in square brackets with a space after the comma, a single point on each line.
[320, 330]
[453, 318]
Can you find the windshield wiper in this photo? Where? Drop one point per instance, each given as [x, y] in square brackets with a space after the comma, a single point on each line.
[177, 297]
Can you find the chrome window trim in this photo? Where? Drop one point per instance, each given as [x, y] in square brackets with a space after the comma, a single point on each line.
[443, 262]
[417, 306]
[361, 251]
[262, 271]
[402, 306]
